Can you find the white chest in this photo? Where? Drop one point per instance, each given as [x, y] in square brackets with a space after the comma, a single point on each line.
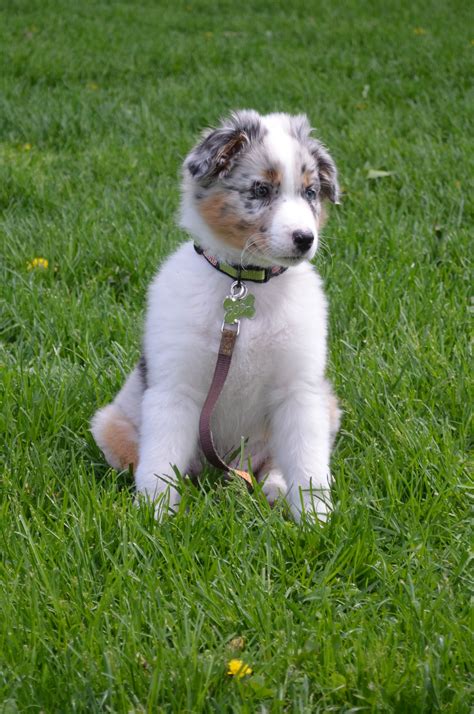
[183, 330]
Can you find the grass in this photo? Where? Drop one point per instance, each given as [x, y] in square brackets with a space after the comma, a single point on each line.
[102, 608]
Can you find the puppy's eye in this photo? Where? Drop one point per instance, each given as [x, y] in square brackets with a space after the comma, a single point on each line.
[310, 193]
[260, 190]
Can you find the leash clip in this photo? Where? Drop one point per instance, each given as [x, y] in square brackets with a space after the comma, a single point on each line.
[229, 325]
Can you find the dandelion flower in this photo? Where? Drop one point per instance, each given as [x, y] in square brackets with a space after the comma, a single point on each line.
[37, 263]
[419, 31]
[26, 147]
[238, 668]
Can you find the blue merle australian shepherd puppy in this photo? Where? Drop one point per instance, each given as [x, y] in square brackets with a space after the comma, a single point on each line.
[252, 203]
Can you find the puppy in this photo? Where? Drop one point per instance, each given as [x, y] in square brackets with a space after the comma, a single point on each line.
[252, 199]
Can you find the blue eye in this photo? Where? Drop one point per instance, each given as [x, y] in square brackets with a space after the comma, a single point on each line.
[310, 193]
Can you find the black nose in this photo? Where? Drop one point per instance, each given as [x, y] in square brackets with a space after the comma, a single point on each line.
[303, 240]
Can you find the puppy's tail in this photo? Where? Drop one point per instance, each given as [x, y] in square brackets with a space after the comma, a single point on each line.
[116, 436]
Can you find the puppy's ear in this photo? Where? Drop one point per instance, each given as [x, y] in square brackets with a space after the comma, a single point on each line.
[217, 152]
[324, 162]
[327, 172]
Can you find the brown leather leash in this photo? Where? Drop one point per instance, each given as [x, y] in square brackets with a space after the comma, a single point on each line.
[237, 305]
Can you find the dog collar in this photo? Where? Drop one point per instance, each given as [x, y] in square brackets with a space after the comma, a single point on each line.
[251, 273]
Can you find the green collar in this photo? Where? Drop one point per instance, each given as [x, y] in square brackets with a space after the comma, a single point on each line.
[251, 273]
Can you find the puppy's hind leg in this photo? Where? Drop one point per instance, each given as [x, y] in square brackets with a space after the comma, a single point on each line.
[115, 427]
[116, 436]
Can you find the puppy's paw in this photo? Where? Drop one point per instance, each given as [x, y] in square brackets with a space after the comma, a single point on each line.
[274, 486]
[165, 503]
[313, 504]
[116, 436]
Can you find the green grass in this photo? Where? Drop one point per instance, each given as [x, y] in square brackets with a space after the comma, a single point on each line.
[102, 608]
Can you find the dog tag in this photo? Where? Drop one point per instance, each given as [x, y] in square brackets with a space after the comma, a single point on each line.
[237, 308]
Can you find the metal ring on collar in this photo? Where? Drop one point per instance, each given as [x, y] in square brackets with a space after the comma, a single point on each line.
[238, 290]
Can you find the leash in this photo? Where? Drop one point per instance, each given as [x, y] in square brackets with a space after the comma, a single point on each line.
[237, 305]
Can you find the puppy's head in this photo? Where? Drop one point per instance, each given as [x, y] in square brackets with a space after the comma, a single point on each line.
[253, 189]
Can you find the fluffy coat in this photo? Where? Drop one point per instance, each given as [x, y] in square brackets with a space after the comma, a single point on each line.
[252, 193]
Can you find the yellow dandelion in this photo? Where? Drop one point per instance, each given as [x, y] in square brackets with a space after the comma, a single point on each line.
[37, 263]
[419, 31]
[26, 147]
[93, 86]
[238, 668]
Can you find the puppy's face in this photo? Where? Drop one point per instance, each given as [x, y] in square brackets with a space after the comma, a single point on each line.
[253, 189]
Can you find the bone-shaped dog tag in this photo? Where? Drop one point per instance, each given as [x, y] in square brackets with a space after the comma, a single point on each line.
[236, 309]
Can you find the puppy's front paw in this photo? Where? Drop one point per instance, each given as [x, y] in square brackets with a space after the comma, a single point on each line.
[274, 486]
[161, 493]
[312, 503]
[161, 505]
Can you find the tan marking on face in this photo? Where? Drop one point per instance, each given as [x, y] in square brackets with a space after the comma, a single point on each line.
[120, 438]
[273, 176]
[220, 215]
[308, 179]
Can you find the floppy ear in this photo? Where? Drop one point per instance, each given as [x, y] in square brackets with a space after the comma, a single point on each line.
[216, 153]
[327, 172]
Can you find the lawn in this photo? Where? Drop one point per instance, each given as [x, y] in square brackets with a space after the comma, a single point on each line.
[104, 610]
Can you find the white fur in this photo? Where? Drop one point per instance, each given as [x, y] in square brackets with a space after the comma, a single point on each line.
[294, 212]
[276, 382]
[276, 395]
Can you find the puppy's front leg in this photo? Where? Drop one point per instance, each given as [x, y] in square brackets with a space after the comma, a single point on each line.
[168, 438]
[301, 447]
